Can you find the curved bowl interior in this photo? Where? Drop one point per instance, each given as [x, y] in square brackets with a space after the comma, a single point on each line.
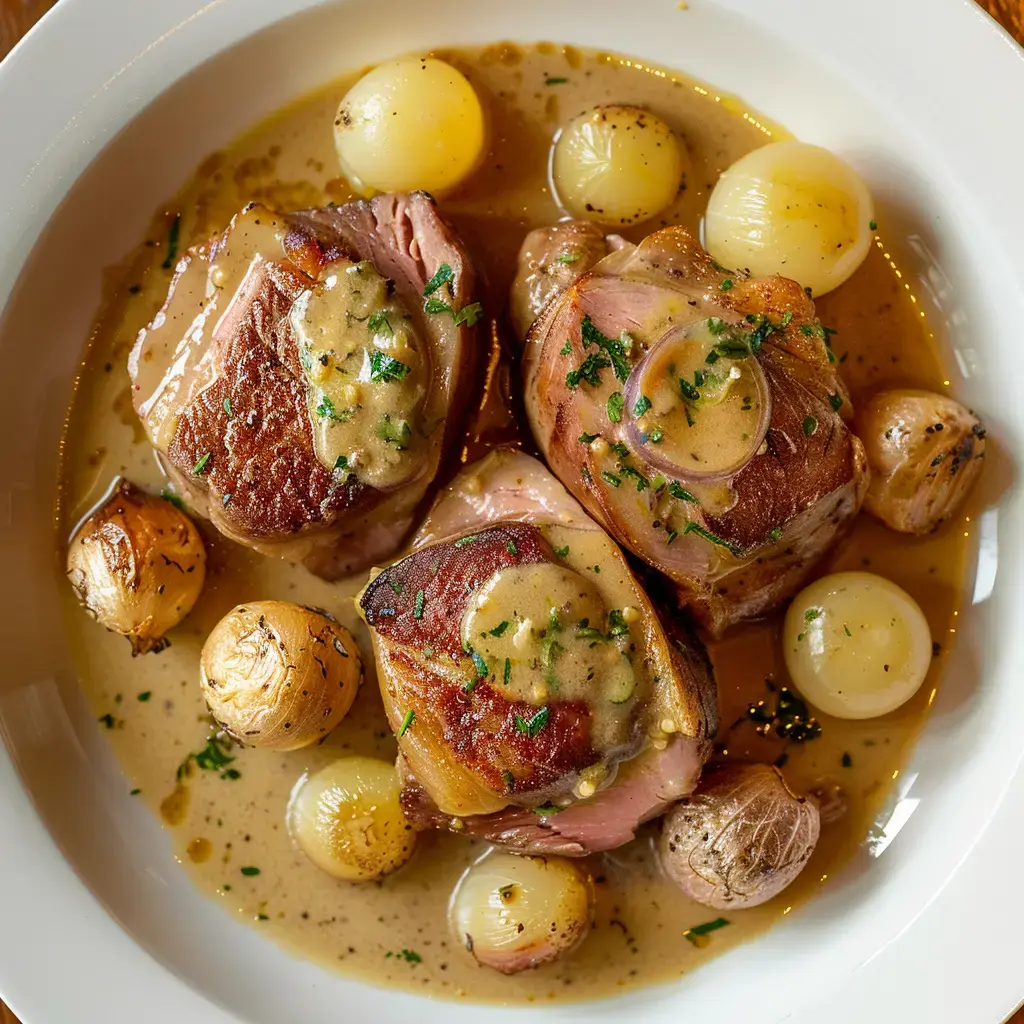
[953, 247]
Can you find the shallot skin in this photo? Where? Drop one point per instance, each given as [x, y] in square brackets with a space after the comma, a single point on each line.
[740, 839]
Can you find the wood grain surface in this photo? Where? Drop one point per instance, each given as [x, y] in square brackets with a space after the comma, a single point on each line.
[18, 16]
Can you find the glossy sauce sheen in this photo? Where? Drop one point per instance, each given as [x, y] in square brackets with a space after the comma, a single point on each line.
[221, 826]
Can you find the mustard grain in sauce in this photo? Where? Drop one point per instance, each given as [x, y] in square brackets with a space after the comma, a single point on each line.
[254, 868]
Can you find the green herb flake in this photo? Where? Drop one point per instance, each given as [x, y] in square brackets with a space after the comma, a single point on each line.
[250, 872]
[677, 490]
[562, 552]
[565, 349]
[615, 405]
[396, 587]
[508, 671]
[846, 629]
[471, 539]
[512, 549]
[836, 402]
[444, 275]
[810, 426]
[479, 664]
[873, 225]
[421, 600]
[396, 433]
[699, 931]
[134, 792]
[847, 761]
[509, 779]
[811, 614]
[227, 407]
[380, 324]
[407, 719]
[611, 478]
[568, 257]
[499, 629]
[546, 810]
[787, 318]
[643, 404]
[589, 371]
[435, 306]
[144, 696]
[108, 720]
[469, 315]
[202, 464]
[713, 538]
[726, 285]
[555, 81]
[690, 393]
[385, 369]
[173, 236]
[531, 727]
[586, 438]
[170, 496]
[614, 348]
[775, 534]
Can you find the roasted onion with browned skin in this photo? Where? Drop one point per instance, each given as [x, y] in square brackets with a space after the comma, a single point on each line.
[698, 415]
[740, 839]
[138, 565]
[278, 675]
[925, 451]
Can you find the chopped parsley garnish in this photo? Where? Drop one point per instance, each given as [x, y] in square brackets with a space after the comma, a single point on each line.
[586, 438]
[471, 539]
[787, 318]
[341, 462]
[611, 478]
[615, 406]
[384, 368]
[444, 275]
[170, 496]
[531, 727]
[555, 81]
[407, 719]
[565, 349]
[511, 548]
[397, 433]
[692, 934]
[569, 257]
[836, 402]
[134, 792]
[713, 538]
[326, 410]
[396, 587]
[811, 614]
[410, 956]
[380, 324]
[546, 810]
[775, 534]
[643, 404]
[617, 625]
[508, 670]
[202, 464]
[173, 235]
[620, 449]
[509, 779]
[656, 436]
[671, 535]
[250, 872]
[589, 370]
[214, 757]
[469, 315]
[614, 347]
[873, 225]
[227, 406]
[847, 761]
[790, 719]
[421, 600]
[478, 663]
[810, 426]
[144, 696]
[690, 393]
[499, 629]
[562, 552]
[677, 490]
[726, 285]
[437, 306]
[107, 720]
[846, 629]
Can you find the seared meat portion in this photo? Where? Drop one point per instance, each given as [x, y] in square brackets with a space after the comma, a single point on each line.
[925, 451]
[296, 388]
[537, 697]
[698, 416]
[550, 260]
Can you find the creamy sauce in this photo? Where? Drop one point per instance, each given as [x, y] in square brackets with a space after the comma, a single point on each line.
[224, 826]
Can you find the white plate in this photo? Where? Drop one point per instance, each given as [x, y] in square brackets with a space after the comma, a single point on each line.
[98, 923]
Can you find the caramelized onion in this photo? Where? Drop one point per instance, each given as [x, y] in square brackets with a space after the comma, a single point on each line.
[698, 402]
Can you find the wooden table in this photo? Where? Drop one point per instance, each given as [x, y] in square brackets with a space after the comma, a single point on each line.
[18, 16]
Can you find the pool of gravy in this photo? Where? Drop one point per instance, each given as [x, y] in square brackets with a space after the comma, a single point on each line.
[395, 932]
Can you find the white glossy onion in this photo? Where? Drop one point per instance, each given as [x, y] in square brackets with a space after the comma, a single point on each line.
[513, 913]
[856, 645]
[617, 165]
[793, 209]
[412, 123]
[348, 820]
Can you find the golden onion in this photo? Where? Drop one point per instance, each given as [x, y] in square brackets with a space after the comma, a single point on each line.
[514, 912]
[279, 676]
[740, 839]
[138, 565]
[348, 820]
